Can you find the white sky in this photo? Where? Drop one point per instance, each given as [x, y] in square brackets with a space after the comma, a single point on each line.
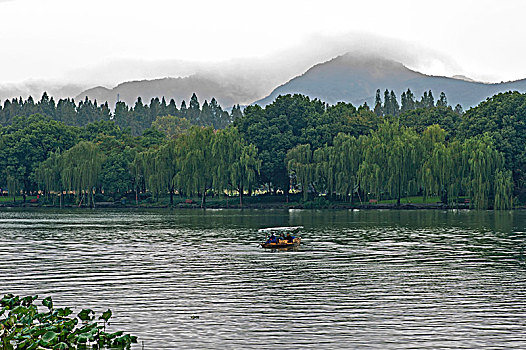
[52, 39]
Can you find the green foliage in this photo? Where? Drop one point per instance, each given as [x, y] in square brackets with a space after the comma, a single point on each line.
[77, 169]
[171, 126]
[344, 162]
[421, 118]
[300, 165]
[134, 120]
[392, 157]
[152, 137]
[115, 176]
[485, 163]
[317, 203]
[503, 117]
[294, 120]
[338, 150]
[22, 326]
[81, 167]
[237, 162]
[25, 144]
[197, 162]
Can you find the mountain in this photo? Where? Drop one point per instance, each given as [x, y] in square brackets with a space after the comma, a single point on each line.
[35, 89]
[227, 93]
[355, 79]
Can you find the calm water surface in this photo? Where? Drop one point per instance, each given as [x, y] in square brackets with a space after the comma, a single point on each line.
[366, 279]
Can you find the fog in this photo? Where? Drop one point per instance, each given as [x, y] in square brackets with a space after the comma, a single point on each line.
[257, 75]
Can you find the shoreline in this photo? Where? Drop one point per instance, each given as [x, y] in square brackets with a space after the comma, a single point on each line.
[253, 206]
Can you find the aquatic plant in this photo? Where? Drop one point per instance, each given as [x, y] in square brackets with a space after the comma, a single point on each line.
[23, 326]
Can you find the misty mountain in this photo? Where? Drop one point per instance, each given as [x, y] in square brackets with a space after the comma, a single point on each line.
[355, 79]
[35, 89]
[226, 92]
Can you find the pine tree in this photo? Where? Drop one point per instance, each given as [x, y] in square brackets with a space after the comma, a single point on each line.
[236, 113]
[387, 103]
[183, 110]
[395, 107]
[163, 107]
[194, 110]
[442, 102]
[171, 109]
[431, 100]
[378, 104]
[408, 101]
[205, 116]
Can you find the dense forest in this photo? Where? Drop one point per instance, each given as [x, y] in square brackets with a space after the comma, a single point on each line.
[70, 152]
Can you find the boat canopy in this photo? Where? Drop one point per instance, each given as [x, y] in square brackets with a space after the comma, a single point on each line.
[280, 229]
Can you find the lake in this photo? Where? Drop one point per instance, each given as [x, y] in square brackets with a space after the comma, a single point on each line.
[361, 279]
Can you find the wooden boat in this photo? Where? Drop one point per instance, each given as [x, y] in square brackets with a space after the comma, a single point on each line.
[281, 243]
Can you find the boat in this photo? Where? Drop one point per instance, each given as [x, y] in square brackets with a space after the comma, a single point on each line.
[281, 243]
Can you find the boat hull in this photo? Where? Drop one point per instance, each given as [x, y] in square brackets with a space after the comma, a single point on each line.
[282, 244]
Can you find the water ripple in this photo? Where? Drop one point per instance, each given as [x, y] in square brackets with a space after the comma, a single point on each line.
[376, 280]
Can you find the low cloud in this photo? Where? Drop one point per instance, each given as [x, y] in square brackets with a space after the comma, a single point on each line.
[278, 66]
[258, 76]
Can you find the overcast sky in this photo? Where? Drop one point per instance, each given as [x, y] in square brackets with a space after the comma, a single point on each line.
[59, 40]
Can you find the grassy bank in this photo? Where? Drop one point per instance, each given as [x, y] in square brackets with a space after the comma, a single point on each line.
[265, 201]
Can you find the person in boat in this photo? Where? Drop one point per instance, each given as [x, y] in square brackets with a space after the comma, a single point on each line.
[290, 238]
[272, 239]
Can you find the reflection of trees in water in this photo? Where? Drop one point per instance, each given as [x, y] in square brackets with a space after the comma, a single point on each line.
[499, 221]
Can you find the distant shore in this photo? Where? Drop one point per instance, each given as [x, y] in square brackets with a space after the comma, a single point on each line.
[236, 206]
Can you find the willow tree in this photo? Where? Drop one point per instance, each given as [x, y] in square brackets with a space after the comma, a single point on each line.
[159, 168]
[503, 190]
[197, 162]
[169, 156]
[48, 174]
[81, 166]
[226, 149]
[138, 171]
[320, 169]
[237, 163]
[392, 159]
[485, 163]
[152, 169]
[245, 170]
[444, 172]
[13, 184]
[300, 165]
[436, 170]
[344, 162]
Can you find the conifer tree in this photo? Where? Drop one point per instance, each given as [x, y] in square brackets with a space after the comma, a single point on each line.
[442, 101]
[387, 103]
[378, 104]
[395, 107]
[183, 110]
[194, 110]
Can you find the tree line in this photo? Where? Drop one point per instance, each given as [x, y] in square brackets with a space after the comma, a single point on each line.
[136, 118]
[293, 144]
[394, 161]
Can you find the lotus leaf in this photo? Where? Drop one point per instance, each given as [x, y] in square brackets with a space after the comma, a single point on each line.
[54, 330]
[85, 315]
[64, 312]
[105, 315]
[82, 339]
[47, 302]
[49, 337]
[61, 346]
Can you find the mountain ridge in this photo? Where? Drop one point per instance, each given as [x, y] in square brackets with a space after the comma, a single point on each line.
[348, 78]
[178, 88]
